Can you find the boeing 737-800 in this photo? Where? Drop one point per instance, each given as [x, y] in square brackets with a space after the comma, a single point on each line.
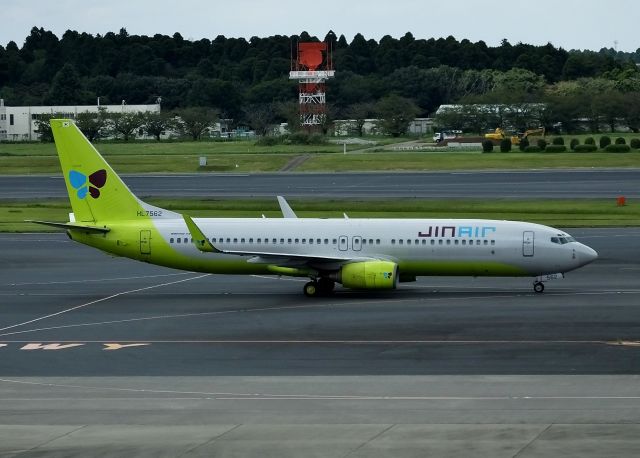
[372, 254]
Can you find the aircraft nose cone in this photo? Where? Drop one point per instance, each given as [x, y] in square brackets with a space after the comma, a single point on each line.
[587, 255]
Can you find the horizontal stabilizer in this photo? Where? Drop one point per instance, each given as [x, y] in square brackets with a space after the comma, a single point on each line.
[71, 226]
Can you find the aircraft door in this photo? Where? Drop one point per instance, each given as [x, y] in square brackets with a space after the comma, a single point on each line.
[528, 238]
[356, 243]
[343, 243]
[145, 242]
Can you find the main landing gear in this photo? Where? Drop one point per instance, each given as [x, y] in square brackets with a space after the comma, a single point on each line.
[320, 287]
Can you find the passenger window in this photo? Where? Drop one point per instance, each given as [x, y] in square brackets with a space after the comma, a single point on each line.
[478, 242]
[493, 242]
[289, 241]
[250, 240]
[297, 240]
[393, 241]
[377, 241]
[310, 241]
[456, 242]
[326, 241]
[486, 242]
[364, 241]
[464, 242]
[408, 242]
[448, 241]
[171, 240]
[235, 240]
[433, 242]
[228, 240]
[242, 240]
[304, 241]
[335, 241]
[401, 241]
[440, 242]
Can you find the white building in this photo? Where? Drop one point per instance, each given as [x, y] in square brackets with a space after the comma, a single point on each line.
[344, 127]
[19, 123]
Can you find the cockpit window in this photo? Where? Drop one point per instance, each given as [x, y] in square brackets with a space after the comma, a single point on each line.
[562, 240]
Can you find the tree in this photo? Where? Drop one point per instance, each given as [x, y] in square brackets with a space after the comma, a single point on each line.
[156, 123]
[260, 116]
[126, 124]
[193, 122]
[358, 113]
[92, 124]
[65, 88]
[395, 114]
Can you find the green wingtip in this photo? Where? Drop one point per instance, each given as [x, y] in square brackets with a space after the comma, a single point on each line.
[199, 240]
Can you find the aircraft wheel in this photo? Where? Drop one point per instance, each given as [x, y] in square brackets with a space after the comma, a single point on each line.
[326, 286]
[311, 289]
[538, 287]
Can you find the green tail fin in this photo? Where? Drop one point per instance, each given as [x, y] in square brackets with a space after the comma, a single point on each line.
[95, 191]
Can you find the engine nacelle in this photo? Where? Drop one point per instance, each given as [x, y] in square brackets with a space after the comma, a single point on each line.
[369, 275]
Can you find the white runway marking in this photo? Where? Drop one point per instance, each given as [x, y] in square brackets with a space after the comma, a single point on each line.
[99, 300]
[310, 396]
[97, 280]
[369, 303]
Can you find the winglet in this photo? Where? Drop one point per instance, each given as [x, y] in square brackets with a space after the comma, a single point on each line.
[199, 239]
[287, 212]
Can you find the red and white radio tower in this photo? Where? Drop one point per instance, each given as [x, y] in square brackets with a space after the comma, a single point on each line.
[312, 65]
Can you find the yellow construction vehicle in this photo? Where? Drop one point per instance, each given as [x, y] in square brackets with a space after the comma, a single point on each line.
[500, 134]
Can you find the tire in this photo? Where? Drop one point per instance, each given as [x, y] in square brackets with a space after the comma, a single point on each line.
[311, 289]
[538, 287]
[326, 286]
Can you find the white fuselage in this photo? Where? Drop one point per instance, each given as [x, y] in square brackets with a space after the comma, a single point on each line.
[418, 246]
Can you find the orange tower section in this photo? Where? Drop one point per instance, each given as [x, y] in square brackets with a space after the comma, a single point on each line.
[311, 66]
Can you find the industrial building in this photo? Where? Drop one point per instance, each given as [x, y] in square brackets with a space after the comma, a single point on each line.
[19, 123]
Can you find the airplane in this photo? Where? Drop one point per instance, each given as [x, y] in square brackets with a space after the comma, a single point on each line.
[360, 254]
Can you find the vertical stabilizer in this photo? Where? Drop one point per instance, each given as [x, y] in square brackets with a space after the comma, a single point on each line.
[96, 192]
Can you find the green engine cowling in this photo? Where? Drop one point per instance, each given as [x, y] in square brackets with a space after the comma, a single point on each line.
[369, 275]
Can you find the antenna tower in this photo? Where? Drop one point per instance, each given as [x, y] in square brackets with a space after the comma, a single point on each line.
[311, 66]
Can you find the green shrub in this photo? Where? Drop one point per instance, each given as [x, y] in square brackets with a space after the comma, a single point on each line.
[635, 143]
[620, 141]
[617, 149]
[604, 142]
[532, 149]
[574, 142]
[589, 141]
[558, 141]
[505, 145]
[556, 149]
[268, 141]
[524, 143]
[487, 146]
[586, 148]
[542, 144]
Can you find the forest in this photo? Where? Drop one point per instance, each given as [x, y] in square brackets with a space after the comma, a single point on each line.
[247, 80]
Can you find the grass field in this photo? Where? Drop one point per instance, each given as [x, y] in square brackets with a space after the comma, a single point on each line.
[383, 161]
[558, 213]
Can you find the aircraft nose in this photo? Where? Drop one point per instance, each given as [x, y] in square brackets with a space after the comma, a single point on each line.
[587, 255]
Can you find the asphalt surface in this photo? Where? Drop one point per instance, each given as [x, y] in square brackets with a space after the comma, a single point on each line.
[103, 355]
[546, 184]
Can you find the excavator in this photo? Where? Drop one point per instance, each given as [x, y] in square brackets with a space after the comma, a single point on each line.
[500, 134]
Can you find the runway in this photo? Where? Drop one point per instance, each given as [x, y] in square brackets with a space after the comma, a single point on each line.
[548, 184]
[131, 358]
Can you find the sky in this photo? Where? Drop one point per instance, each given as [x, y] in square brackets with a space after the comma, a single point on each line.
[571, 24]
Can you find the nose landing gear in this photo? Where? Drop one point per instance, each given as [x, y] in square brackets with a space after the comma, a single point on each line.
[538, 287]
